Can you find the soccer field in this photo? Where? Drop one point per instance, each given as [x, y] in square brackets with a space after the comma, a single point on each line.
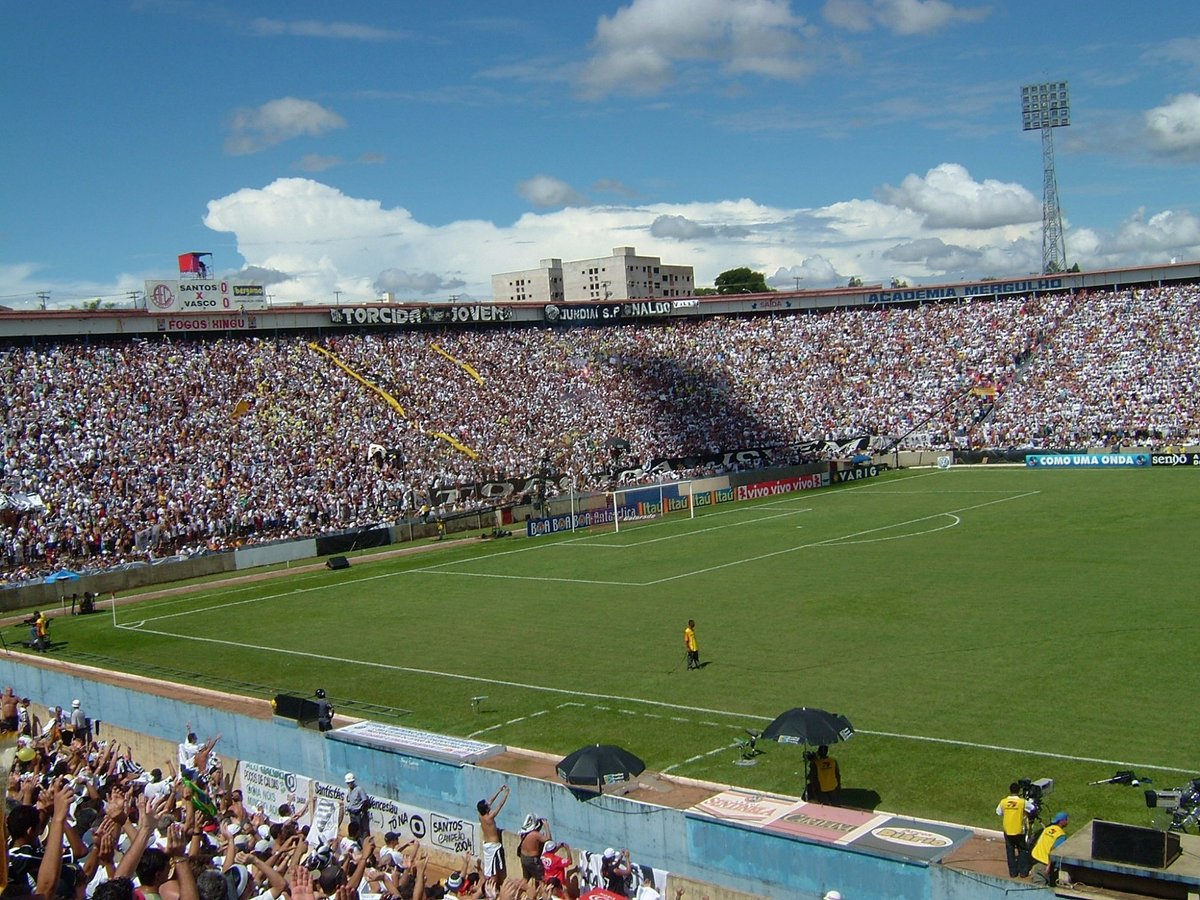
[976, 625]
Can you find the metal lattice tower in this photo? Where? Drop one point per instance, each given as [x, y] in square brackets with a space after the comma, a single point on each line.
[1045, 107]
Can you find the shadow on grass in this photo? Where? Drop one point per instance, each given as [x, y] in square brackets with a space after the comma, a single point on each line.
[859, 798]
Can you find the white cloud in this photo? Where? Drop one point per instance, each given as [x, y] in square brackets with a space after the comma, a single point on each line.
[948, 197]
[311, 28]
[681, 228]
[902, 17]
[1173, 129]
[256, 128]
[317, 240]
[641, 47]
[545, 191]
[406, 284]
[315, 162]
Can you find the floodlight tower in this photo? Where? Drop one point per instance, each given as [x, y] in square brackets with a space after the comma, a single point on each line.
[1045, 107]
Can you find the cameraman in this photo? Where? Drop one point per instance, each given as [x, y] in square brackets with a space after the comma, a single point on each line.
[1015, 811]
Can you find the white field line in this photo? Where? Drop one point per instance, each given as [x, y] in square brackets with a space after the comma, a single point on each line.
[307, 654]
[442, 568]
[688, 534]
[846, 538]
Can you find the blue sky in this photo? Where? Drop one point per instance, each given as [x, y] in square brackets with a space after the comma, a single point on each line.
[421, 147]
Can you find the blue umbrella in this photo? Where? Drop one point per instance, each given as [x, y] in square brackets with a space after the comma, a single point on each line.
[62, 575]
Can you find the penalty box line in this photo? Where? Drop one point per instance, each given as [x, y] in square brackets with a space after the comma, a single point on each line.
[660, 704]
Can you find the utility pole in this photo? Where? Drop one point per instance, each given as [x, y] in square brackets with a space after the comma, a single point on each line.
[337, 297]
[44, 296]
[797, 279]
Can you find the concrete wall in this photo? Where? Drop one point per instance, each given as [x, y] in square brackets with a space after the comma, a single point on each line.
[722, 859]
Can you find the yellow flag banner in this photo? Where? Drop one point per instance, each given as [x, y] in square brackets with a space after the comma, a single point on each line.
[466, 367]
[243, 407]
[457, 445]
[987, 390]
[391, 401]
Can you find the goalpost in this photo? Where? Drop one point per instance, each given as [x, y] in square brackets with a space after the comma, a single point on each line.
[652, 501]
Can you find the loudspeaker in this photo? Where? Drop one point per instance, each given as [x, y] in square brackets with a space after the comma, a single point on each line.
[337, 562]
[299, 708]
[1134, 844]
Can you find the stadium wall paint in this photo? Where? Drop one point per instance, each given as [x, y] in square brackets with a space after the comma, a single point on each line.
[725, 854]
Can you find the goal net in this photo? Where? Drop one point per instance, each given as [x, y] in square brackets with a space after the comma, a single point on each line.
[646, 502]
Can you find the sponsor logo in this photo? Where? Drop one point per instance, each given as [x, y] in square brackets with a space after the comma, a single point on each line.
[248, 290]
[1175, 459]
[911, 837]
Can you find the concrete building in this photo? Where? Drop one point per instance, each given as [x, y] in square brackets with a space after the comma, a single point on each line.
[622, 276]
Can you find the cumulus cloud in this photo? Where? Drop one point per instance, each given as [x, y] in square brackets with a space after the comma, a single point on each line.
[545, 191]
[641, 47]
[902, 17]
[948, 197]
[262, 275]
[312, 28]
[398, 281]
[1173, 129]
[310, 240]
[681, 228]
[252, 129]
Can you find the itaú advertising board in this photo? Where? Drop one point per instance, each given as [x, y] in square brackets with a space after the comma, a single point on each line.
[203, 295]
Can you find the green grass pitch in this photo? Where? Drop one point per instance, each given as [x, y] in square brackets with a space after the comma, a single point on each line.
[976, 625]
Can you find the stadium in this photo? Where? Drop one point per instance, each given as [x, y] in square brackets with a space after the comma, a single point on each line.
[959, 517]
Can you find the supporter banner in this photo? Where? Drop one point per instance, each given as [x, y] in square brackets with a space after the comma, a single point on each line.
[267, 788]
[183, 324]
[640, 878]
[203, 296]
[1086, 460]
[441, 314]
[586, 314]
[782, 486]
[502, 489]
[1175, 459]
[22, 501]
[555, 524]
[746, 457]
[978, 289]
[646, 308]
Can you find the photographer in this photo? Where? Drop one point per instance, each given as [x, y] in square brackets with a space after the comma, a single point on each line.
[1015, 812]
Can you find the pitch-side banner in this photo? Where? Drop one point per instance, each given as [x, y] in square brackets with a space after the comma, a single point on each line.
[203, 296]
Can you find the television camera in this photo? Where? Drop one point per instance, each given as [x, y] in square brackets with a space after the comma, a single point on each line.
[1033, 793]
[1183, 804]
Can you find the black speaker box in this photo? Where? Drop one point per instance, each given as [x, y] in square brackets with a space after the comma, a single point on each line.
[299, 708]
[337, 562]
[1133, 844]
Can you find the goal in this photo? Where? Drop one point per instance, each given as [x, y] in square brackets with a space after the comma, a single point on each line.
[652, 501]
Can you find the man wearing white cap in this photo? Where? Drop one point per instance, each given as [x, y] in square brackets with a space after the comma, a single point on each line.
[358, 808]
[79, 722]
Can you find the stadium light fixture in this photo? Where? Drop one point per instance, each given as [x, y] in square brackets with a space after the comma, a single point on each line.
[1044, 107]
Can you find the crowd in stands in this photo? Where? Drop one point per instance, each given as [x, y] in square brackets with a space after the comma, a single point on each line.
[131, 450]
[87, 821]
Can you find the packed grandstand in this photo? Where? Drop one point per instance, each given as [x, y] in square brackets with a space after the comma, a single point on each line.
[120, 450]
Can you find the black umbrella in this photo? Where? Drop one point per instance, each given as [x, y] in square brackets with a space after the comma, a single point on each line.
[599, 764]
[803, 725]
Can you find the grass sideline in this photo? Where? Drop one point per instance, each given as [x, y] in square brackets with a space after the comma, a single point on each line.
[976, 625]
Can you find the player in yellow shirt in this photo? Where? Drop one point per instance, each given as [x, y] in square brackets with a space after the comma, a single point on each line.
[690, 645]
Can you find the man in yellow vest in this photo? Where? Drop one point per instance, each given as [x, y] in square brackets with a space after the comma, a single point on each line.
[828, 777]
[1053, 835]
[1013, 811]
